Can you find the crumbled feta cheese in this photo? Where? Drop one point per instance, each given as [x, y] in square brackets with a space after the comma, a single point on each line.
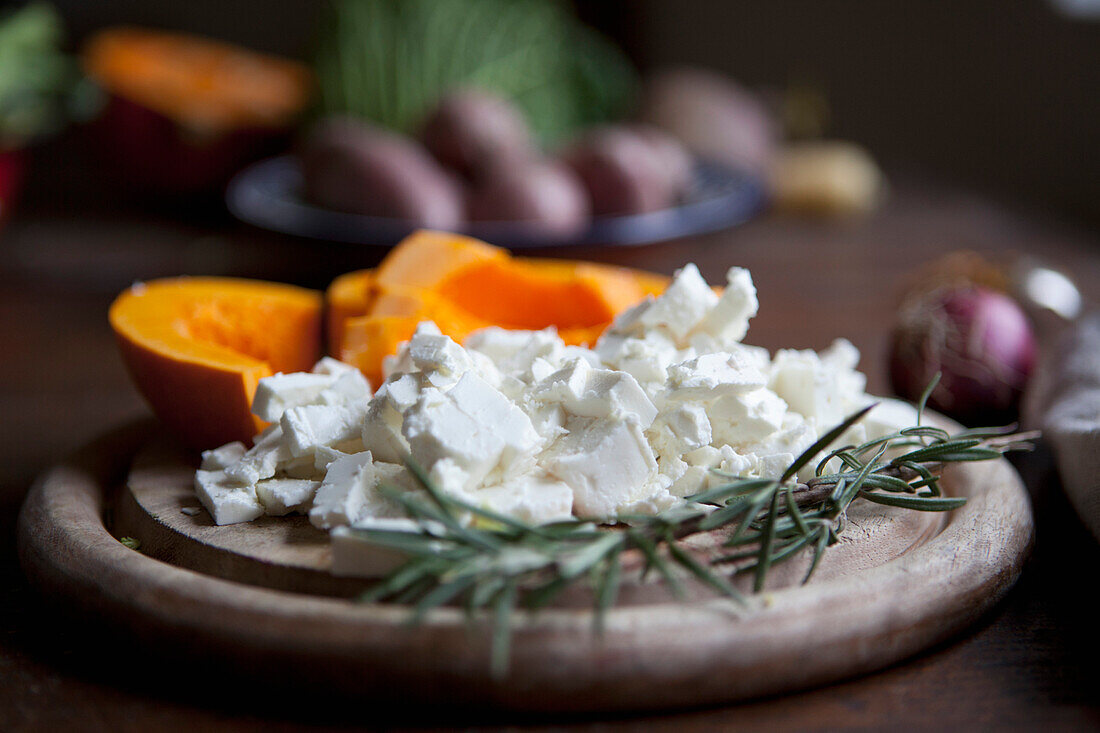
[227, 501]
[608, 464]
[533, 499]
[312, 426]
[262, 459]
[473, 424]
[728, 320]
[711, 376]
[687, 300]
[278, 393]
[333, 367]
[587, 392]
[220, 458]
[740, 419]
[352, 489]
[285, 495]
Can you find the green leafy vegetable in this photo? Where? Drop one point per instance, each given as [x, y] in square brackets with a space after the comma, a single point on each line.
[40, 87]
[389, 61]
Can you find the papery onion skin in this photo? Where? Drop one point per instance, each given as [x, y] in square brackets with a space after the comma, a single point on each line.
[981, 343]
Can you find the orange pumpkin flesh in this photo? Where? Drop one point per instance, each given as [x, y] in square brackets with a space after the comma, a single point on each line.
[197, 347]
[348, 296]
[203, 84]
[463, 285]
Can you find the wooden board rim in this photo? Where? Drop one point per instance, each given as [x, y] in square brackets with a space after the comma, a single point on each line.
[654, 656]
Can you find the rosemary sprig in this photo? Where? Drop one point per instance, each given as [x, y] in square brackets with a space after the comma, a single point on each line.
[498, 563]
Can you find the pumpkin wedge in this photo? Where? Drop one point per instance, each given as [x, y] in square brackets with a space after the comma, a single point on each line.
[197, 347]
[463, 284]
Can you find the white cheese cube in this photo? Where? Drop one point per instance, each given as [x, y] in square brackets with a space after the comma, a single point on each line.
[381, 433]
[740, 419]
[355, 557]
[587, 392]
[263, 459]
[277, 394]
[531, 499]
[227, 501]
[728, 320]
[514, 352]
[402, 362]
[285, 495]
[309, 427]
[680, 429]
[472, 424]
[630, 320]
[711, 376]
[437, 353]
[217, 459]
[352, 490]
[349, 388]
[686, 301]
[333, 367]
[609, 464]
[646, 358]
[825, 389]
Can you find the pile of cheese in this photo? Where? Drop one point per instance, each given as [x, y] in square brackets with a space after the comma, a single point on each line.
[521, 424]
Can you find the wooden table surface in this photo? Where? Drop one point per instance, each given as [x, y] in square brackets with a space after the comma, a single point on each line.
[64, 256]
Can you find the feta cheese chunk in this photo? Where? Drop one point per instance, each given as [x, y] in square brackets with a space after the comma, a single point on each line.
[224, 457]
[710, 376]
[532, 499]
[352, 490]
[742, 419]
[728, 320]
[277, 394]
[473, 425]
[587, 392]
[686, 301]
[354, 557]
[825, 388]
[307, 428]
[262, 459]
[608, 464]
[285, 495]
[227, 501]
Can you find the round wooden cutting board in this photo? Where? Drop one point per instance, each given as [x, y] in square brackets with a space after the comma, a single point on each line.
[259, 597]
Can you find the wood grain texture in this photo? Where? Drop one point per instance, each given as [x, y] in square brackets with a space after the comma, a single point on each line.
[651, 655]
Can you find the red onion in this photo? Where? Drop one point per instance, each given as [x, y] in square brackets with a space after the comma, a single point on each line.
[978, 339]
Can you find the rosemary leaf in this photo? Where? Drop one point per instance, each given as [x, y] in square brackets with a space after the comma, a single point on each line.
[921, 503]
[503, 608]
[765, 556]
[702, 572]
[824, 442]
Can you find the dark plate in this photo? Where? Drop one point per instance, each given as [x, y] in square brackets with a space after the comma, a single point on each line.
[267, 195]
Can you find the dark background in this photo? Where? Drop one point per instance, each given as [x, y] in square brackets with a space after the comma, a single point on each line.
[1000, 96]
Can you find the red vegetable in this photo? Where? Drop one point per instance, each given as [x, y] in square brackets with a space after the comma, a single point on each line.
[978, 339]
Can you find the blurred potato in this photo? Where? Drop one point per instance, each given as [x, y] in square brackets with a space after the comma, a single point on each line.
[351, 166]
[628, 171]
[544, 194]
[825, 178]
[472, 132]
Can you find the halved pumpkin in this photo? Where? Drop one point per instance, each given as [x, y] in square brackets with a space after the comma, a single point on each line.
[463, 284]
[197, 347]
